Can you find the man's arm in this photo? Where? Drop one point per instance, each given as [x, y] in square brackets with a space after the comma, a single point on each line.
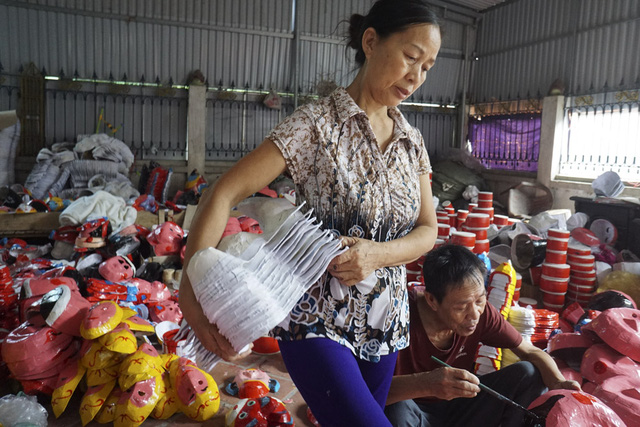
[441, 383]
[551, 375]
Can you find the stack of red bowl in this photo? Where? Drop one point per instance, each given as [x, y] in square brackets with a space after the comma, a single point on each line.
[451, 212]
[444, 230]
[485, 204]
[500, 221]
[546, 322]
[464, 238]
[583, 282]
[554, 282]
[478, 224]
[443, 217]
[461, 217]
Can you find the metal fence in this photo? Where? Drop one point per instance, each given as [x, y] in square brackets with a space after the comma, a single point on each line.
[602, 133]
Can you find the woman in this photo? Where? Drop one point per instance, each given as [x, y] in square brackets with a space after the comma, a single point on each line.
[365, 171]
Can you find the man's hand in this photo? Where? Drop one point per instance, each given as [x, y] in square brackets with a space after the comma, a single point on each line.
[451, 383]
[357, 263]
[566, 385]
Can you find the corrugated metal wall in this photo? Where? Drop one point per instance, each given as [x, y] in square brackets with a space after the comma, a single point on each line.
[235, 43]
[523, 46]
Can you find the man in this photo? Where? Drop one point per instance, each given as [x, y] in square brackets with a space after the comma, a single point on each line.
[448, 321]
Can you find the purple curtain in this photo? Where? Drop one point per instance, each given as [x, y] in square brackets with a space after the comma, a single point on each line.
[508, 142]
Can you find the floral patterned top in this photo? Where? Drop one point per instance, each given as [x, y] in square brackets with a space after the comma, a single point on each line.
[356, 190]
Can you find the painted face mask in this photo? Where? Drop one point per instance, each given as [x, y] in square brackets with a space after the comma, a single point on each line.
[117, 269]
[68, 380]
[563, 408]
[96, 377]
[120, 340]
[158, 292]
[141, 365]
[165, 311]
[94, 355]
[34, 352]
[263, 412]
[40, 286]
[621, 394]
[601, 362]
[64, 310]
[93, 400]
[93, 234]
[198, 395]
[107, 413]
[139, 325]
[144, 289]
[137, 403]
[166, 239]
[620, 328]
[168, 403]
[103, 317]
[252, 384]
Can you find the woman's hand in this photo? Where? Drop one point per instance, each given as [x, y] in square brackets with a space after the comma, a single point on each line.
[207, 333]
[357, 263]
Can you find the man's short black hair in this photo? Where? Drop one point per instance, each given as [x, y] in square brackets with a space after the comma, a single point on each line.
[447, 267]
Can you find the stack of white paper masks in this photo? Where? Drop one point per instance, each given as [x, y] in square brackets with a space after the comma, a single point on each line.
[248, 292]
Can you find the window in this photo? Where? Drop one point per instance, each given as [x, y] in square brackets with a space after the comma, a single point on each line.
[602, 134]
[507, 142]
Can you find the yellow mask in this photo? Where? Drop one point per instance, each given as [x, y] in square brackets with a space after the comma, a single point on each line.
[137, 403]
[102, 317]
[68, 380]
[120, 340]
[93, 400]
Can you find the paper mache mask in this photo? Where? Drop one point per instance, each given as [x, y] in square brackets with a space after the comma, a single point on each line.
[158, 292]
[620, 328]
[601, 362]
[137, 403]
[36, 287]
[563, 408]
[93, 400]
[141, 365]
[198, 395]
[120, 340]
[263, 412]
[622, 395]
[107, 413]
[103, 317]
[166, 238]
[168, 403]
[64, 310]
[94, 355]
[117, 269]
[165, 311]
[252, 384]
[68, 380]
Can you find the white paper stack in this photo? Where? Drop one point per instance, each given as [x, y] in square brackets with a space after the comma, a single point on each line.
[248, 294]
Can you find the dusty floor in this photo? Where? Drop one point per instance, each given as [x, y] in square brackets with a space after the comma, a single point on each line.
[223, 372]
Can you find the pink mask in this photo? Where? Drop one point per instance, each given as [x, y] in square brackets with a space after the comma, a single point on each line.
[165, 311]
[621, 394]
[569, 347]
[166, 239]
[252, 384]
[137, 403]
[158, 292]
[601, 362]
[139, 325]
[93, 400]
[198, 395]
[68, 380]
[38, 287]
[144, 290]
[574, 408]
[263, 412]
[620, 328]
[103, 317]
[117, 269]
[64, 310]
[93, 234]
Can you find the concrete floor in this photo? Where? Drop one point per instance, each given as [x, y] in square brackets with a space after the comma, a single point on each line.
[223, 373]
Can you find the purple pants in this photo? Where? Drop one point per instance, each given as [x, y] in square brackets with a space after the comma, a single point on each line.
[340, 389]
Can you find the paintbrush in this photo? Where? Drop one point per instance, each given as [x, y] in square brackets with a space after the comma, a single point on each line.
[495, 394]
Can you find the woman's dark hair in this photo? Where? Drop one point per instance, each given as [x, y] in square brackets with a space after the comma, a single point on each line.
[388, 17]
[447, 267]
